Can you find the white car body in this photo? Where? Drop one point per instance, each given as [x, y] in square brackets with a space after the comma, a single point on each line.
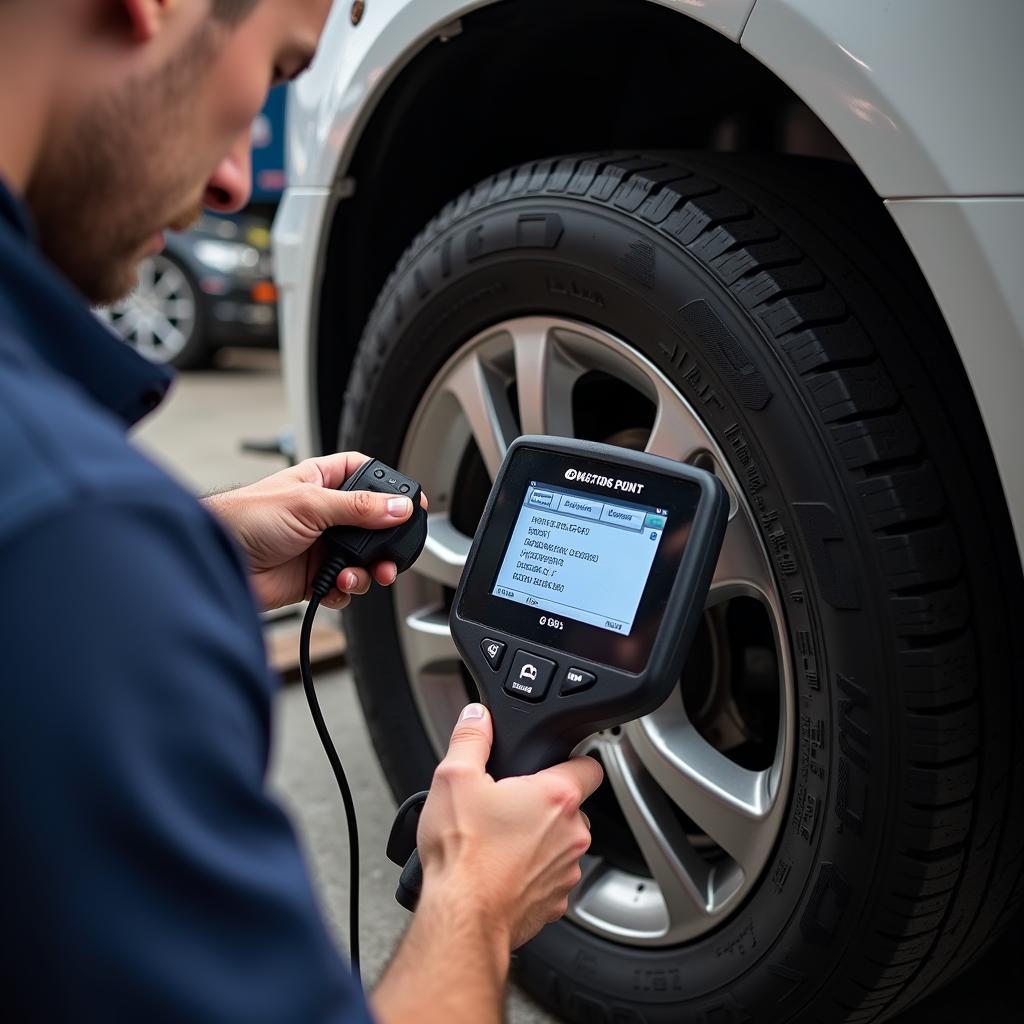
[923, 95]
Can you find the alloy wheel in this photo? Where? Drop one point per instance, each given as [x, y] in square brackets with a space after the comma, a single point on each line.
[158, 318]
[695, 792]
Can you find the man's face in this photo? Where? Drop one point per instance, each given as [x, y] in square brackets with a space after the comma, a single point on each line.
[159, 133]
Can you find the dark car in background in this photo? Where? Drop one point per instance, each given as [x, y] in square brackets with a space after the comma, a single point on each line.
[211, 287]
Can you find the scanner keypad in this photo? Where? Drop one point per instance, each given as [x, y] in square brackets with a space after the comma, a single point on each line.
[529, 676]
[576, 680]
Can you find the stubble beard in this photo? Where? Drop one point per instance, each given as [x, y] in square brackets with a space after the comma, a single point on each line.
[118, 176]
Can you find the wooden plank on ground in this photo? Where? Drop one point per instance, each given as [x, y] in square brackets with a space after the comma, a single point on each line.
[326, 642]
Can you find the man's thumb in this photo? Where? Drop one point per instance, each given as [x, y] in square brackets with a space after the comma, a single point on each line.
[471, 738]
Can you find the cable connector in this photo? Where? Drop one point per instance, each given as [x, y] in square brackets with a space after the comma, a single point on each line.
[327, 574]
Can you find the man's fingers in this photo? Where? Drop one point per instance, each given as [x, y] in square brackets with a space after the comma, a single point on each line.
[385, 573]
[335, 469]
[470, 745]
[335, 601]
[583, 772]
[353, 581]
[363, 508]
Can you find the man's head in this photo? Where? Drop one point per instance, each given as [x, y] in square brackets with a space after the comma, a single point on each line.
[149, 120]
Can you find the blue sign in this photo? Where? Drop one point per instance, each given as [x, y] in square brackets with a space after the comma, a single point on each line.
[268, 174]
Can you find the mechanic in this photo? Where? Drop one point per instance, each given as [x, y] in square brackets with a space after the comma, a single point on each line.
[149, 876]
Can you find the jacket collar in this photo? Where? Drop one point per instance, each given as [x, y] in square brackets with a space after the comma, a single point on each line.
[53, 320]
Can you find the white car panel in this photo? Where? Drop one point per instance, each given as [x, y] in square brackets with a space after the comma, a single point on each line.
[925, 95]
[971, 252]
[725, 16]
[298, 256]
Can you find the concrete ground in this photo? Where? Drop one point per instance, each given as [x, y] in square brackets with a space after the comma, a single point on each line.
[197, 435]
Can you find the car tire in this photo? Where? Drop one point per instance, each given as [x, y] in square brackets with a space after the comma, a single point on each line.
[164, 318]
[775, 301]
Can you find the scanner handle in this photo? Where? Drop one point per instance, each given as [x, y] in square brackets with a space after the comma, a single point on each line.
[506, 760]
[525, 754]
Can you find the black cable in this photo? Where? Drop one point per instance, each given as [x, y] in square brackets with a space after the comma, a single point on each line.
[339, 772]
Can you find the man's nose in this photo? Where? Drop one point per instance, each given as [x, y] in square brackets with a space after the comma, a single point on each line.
[230, 185]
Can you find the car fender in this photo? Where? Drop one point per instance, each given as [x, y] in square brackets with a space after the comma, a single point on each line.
[924, 95]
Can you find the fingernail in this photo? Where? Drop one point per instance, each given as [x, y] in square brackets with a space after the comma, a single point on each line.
[348, 581]
[472, 711]
[399, 507]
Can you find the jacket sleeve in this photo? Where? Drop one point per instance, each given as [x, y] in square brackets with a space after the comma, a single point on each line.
[149, 875]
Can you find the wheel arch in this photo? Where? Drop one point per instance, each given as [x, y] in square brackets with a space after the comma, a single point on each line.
[445, 98]
[457, 85]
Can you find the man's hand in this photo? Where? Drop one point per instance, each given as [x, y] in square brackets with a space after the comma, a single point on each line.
[278, 522]
[499, 860]
[512, 846]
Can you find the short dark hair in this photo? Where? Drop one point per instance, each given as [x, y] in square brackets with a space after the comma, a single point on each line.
[231, 11]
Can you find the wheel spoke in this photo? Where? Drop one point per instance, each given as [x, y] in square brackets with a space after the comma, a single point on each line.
[144, 336]
[682, 876]
[676, 433]
[172, 339]
[428, 642]
[742, 567]
[432, 662]
[168, 283]
[726, 801]
[545, 376]
[444, 553]
[482, 394]
[125, 325]
[179, 309]
[147, 272]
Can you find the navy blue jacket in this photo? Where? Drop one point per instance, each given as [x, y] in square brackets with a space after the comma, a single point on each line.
[146, 875]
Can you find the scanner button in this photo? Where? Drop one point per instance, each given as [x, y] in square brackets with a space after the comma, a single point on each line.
[529, 677]
[576, 680]
[494, 651]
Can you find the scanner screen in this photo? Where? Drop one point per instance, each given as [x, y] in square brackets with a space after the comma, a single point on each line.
[580, 556]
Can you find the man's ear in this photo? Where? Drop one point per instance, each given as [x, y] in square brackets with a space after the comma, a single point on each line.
[144, 17]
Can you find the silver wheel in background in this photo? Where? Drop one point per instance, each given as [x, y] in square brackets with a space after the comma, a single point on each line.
[159, 318]
[696, 790]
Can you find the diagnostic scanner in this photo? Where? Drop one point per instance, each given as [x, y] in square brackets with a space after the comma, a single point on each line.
[585, 583]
